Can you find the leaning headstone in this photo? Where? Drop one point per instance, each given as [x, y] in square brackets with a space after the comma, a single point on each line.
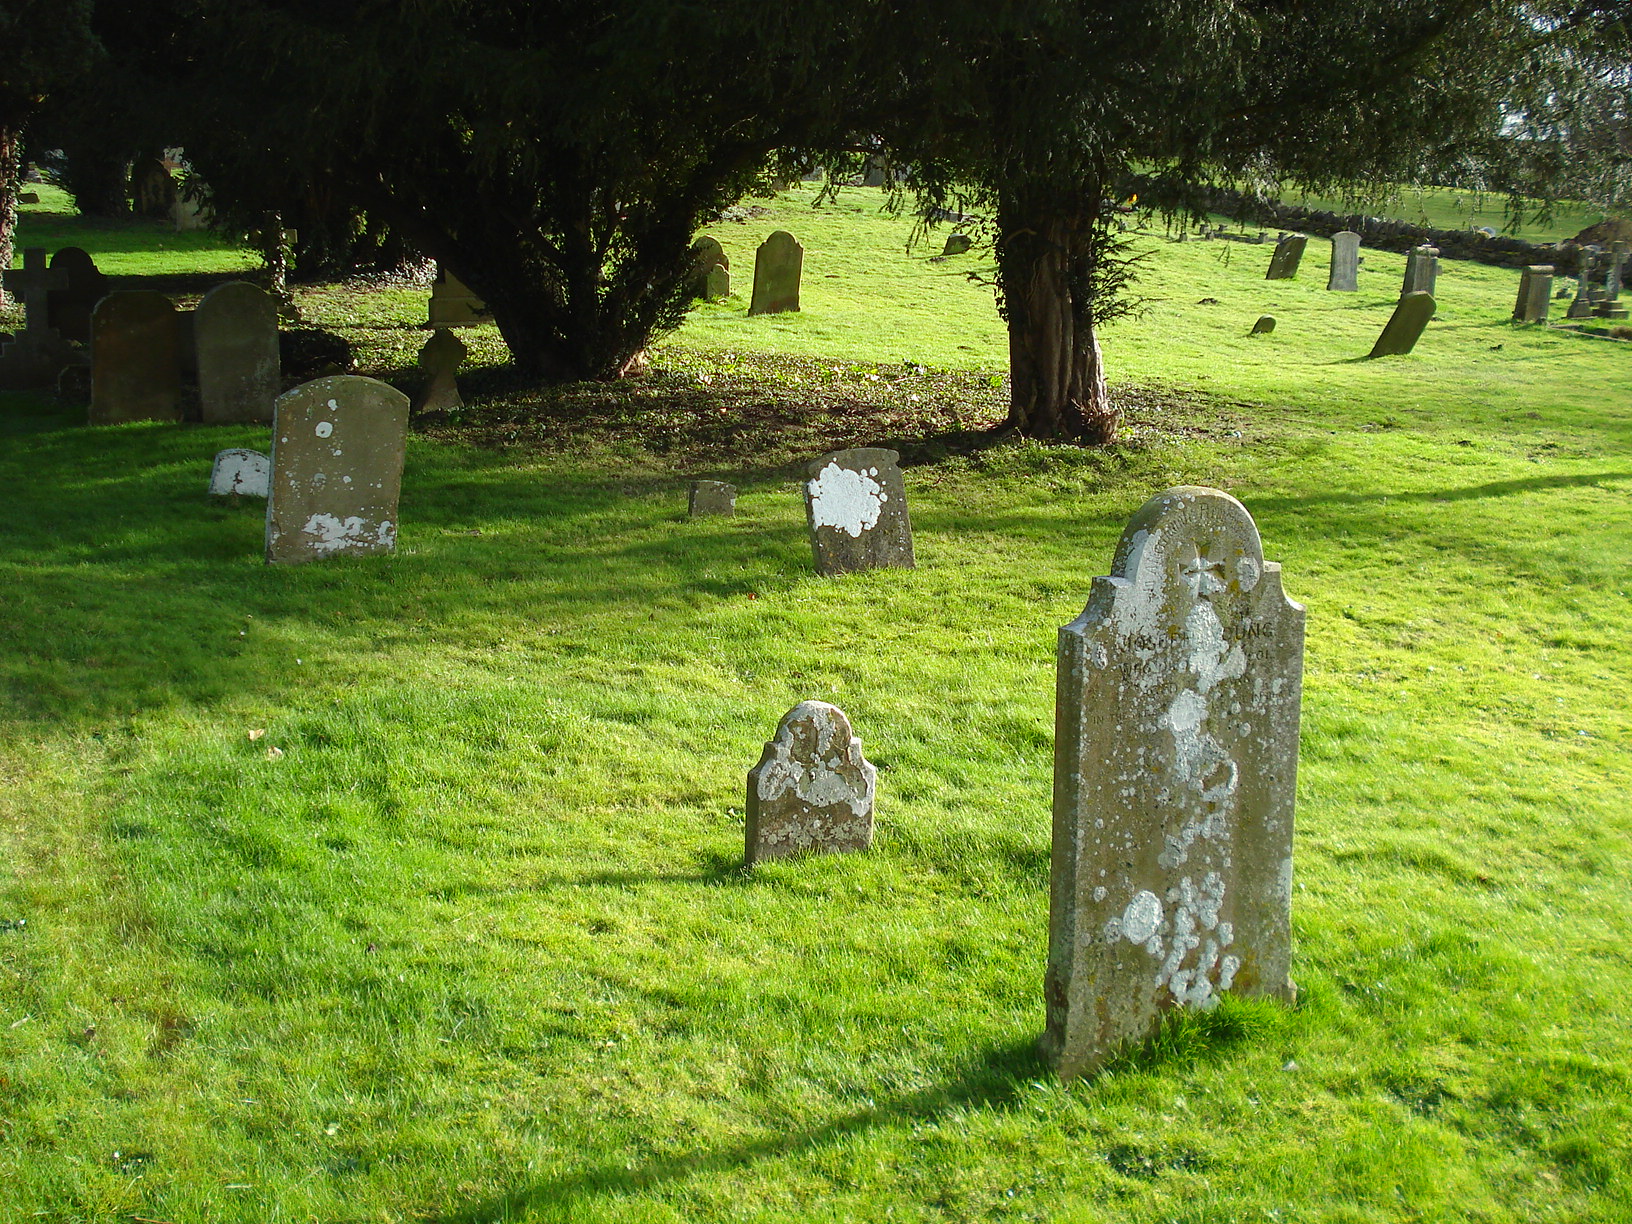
[440, 358]
[711, 497]
[1405, 326]
[1175, 765]
[706, 254]
[957, 244]
[778, 265]
[812, 791]
[34, 356]
[235, 343]
[1283, 264]
[337, 450]
[135, 358]
[1345, 274]
[856, 508]
[1421, 271]
[68, 309]
[1535, 294]
[1264, 325]
[454, 305]
[243, 473]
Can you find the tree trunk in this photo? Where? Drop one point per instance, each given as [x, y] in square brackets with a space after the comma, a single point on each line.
[1046, 271]
[11, 158]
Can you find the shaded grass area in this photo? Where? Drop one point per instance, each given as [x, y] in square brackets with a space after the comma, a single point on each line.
[474, 945]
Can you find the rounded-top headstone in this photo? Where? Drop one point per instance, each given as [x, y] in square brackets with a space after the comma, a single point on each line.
[69, 308]
[337, 452]
[812, 791]
[235, 335]
[1264, 325]
[778, 265]
[135, 358]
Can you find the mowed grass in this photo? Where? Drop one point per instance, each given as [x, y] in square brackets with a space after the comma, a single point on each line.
[474, 945]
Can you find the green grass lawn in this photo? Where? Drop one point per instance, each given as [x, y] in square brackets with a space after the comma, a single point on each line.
[474, 945]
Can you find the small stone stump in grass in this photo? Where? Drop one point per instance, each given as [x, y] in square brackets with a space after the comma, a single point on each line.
[812, 791]
[856, 508]
[1344, 276]
[1405, 326]
[1264, 325]
[440, 357]
[240, 473]
[337, 451]
[778, 265]
[1283, 264]
[135, 358]
[1175, 763]
[711, 497]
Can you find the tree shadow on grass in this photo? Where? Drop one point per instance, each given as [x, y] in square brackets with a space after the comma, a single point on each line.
[991, 1081]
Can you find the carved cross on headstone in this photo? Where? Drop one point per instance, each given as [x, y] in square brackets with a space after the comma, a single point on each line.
[1202, 572]
[31, 283]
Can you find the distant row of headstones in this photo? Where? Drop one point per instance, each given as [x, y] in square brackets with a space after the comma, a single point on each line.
[1536, 287]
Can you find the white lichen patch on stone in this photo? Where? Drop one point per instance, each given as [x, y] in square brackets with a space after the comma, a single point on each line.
[846, 500]
[329, 533]
[324, 428]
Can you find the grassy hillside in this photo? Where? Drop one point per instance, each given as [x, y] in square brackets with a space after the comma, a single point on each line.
[473, 944]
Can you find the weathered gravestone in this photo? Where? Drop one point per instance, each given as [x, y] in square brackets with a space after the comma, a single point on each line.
[135, 358]
[1421, 271]
[957, 244]
[711, 497]
[1535, 294]
[1610, 307]
[190, 212]
[1264, 325]
[706, 255]
[1283, 264]
[243, 473]
[34, 356]
[152, 187]
[440, 358]
[69, 308]
[1344, 276]
[812, 791]
[717, 285]
[1175, 765]
[778, 265]
[337, 450]
[453, 304]
[1405, 326]
[1581, 304]
[856, 507]
[235, 343]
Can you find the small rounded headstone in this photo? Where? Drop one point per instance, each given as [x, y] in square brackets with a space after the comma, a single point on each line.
[1265, 325]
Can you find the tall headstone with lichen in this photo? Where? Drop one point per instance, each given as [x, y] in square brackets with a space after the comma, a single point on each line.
[1175, 763]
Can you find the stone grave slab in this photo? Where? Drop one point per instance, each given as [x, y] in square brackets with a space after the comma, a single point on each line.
[244, 473]
[1344, 276]
[711, 497]
[1421, 271]
[1535, 294]
[706, 254]
[812, 791]
[337, 451]
[1175, 764]
[453, 304]
[957, 244]
[1288, 254]
[1405, 326]
[856, 509]
[440, 358]
[135, 358]
[235, 345]
[69, 308]
[778, 266]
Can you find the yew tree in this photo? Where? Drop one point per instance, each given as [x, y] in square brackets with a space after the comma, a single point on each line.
[1041, 113]
[558, 157]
